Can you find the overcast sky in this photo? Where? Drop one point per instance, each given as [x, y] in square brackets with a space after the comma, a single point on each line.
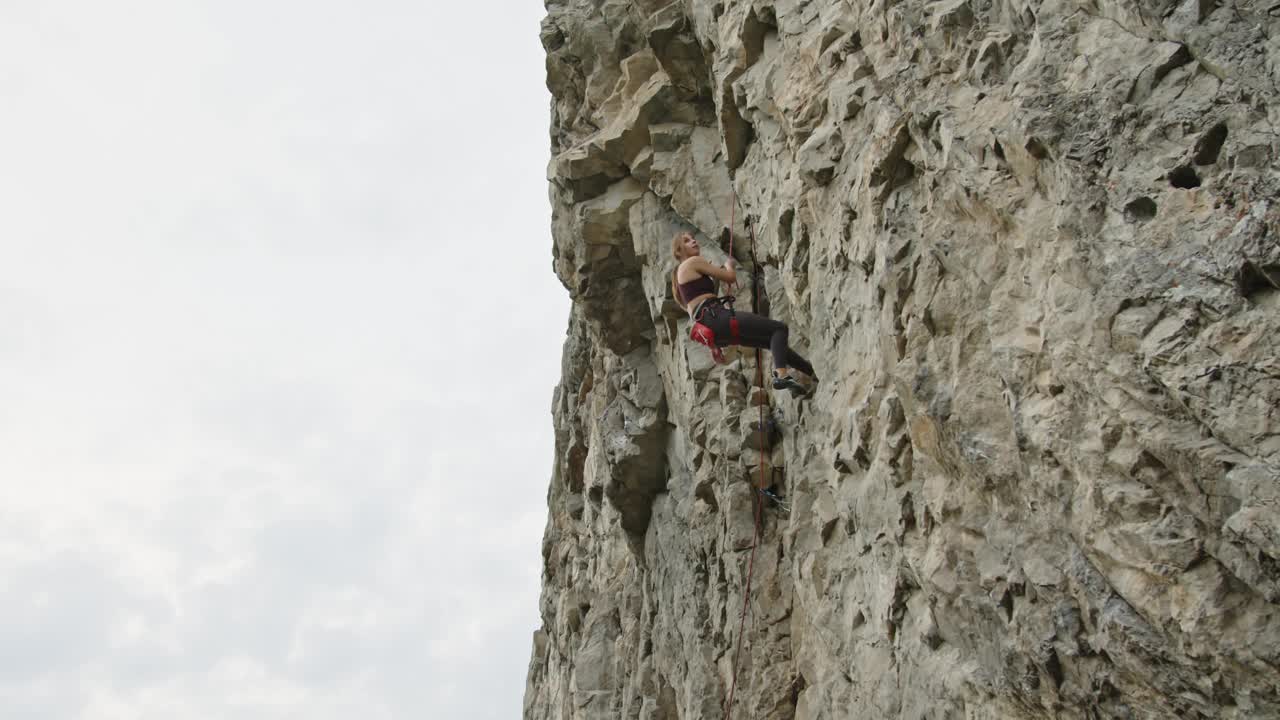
[278, 337]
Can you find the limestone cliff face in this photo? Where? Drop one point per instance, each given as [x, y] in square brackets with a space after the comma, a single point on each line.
[1031, 249]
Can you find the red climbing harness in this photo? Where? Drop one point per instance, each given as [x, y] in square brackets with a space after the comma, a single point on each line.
[702, 333]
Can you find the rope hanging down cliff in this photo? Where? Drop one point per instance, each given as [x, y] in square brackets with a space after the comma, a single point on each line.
[765, 452]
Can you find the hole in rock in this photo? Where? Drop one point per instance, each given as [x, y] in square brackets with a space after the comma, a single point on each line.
[1210, 144]
[1140, 210]
[1054, 668]
[1256, 282]
[1184, 177]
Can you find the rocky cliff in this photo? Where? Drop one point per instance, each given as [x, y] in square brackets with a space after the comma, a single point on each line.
[1031, 249]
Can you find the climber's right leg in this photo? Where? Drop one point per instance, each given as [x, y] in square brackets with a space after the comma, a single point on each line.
[758, 331]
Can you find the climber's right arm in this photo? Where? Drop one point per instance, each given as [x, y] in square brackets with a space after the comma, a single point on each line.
[726, 274]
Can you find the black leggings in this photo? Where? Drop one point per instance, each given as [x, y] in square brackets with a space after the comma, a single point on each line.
[755, 331]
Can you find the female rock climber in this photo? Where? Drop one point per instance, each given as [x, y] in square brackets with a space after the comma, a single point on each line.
[694, 287]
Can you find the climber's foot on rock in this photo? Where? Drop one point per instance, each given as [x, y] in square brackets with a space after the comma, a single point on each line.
[790, 383]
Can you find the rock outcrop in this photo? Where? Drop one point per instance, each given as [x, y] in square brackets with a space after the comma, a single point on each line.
[1031, 249]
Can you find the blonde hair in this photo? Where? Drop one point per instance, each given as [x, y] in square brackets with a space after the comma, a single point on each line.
[677, 244]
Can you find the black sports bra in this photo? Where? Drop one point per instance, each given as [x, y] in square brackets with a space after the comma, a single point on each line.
[703, 285]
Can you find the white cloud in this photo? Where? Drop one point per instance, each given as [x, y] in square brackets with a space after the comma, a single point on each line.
[278, 335]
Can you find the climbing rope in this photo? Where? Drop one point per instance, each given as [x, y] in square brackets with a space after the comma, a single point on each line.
[765, 452]
[734, 285]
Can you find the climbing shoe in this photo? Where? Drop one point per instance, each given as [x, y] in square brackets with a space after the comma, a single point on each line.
[786, 382]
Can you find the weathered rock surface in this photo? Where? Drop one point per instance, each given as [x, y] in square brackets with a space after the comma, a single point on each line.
[1031, 249]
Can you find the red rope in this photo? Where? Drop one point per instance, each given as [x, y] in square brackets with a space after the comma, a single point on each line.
[734, 285]
[755, 497]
